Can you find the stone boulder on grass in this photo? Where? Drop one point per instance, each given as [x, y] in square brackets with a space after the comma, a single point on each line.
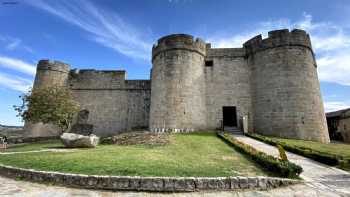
[73, 140]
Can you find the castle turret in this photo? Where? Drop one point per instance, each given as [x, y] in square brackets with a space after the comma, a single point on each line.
[178, 84]
[48, 73]
[286, 92]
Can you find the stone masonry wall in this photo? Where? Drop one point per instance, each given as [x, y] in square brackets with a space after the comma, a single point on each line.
[178, 85]
[114, 104]
[274, 81]
[286, 92]
[227, 84]
[48, 73]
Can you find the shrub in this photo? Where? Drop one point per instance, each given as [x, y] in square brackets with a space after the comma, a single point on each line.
[321, 157]
[283, 168]
[283, 155]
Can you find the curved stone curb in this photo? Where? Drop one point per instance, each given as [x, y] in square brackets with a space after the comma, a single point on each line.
[136, 183]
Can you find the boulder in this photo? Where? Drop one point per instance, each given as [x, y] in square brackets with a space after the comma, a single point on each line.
[73, 140]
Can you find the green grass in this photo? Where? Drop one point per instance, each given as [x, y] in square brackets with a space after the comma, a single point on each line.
[34, 146]
[331, 148]
[333, 154]
[199, 155]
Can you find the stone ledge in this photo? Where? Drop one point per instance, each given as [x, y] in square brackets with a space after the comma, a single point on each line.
[136, 183]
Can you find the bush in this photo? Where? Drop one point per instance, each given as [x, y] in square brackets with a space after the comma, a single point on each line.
[321, 157]
[283, 168]
[283, 155]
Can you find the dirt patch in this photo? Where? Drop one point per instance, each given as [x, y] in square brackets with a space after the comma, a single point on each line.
[133, 138]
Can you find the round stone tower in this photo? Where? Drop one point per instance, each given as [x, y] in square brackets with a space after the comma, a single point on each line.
[286, 91]
[178, 84]
[51, 73]
[48, 73]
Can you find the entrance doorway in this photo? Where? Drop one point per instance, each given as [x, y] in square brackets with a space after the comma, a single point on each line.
[229, 116]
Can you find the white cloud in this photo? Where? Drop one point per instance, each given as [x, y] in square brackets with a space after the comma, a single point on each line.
[335, 67]
[103, 26]
[330, 42]
[18, 65]
[12, 44]
[15, 82]
[336, 105]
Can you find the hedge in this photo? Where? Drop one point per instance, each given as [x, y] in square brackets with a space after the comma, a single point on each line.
[322, 157]
[283, 168]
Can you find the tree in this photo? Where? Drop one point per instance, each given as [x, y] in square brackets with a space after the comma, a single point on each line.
[53, 104]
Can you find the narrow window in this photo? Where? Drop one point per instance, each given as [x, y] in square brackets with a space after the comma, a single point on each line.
[209, 63]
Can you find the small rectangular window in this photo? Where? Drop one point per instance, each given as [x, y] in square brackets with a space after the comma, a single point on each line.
[209, 63]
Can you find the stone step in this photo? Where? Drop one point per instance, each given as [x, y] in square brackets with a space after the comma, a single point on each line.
[233, 130]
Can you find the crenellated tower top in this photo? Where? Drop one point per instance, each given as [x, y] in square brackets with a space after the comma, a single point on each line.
[179, 41]
[278, 38]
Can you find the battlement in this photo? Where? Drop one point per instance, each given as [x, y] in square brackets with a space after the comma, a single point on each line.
[53, 65]
[179, 41]
[119, 73]
[225, 52]
[278, 38]
[96, 79]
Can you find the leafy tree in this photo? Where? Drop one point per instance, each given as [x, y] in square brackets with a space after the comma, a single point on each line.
[53, 104]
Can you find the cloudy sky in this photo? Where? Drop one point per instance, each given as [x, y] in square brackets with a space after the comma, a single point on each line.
[116, 34]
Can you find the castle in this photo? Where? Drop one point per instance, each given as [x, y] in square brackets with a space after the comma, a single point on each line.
[194, 87]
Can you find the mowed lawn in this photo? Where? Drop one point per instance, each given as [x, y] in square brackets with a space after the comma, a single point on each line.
[199, 155]
[335, 148]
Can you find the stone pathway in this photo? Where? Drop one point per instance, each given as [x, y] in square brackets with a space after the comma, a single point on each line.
[318, 176]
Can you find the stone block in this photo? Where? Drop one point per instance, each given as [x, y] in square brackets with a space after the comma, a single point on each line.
[262, 183]
[151, 184]
[184, 184]
[169, 184]
[252, 182]
[234, 183]
[120, 183]
[134, 183]
[92, 180]
[243, 182]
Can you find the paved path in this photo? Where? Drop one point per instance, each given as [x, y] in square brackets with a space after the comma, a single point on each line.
[11, 187]
[317, 175]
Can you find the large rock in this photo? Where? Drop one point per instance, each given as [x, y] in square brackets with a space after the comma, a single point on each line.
[72, 140]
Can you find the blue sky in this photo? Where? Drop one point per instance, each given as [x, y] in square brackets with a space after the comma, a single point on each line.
[116, 34]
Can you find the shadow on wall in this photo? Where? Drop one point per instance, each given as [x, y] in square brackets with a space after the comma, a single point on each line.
[81, 126]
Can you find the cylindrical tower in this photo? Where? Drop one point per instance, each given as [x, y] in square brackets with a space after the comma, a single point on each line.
[178, 84]
[286, 93]
[48, 73]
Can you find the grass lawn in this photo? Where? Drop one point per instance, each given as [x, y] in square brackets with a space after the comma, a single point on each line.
[33, 146]
[199, 155]
[332, 148]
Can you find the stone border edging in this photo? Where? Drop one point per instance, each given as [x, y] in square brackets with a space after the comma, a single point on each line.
[136, 183]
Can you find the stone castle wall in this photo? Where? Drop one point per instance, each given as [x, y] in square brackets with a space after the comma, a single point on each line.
[227, 84]
[48, 73]
[113, 103]
[273, 81]
[286, 92]
[178, 84]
